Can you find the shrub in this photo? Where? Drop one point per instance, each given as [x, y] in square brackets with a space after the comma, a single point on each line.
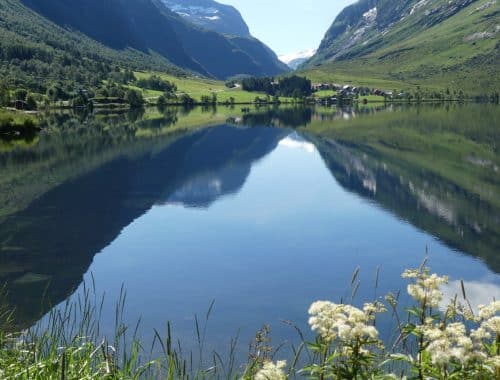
[135, 99]
[31, 103]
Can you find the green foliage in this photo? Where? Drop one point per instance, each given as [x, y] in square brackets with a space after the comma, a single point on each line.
[290, 86]
[31, 103]
[156, 83]
[134, 99]
[4, 95]
[209, 99]
[20, 94]
[81, 100]
[294, 86]
[254, 84]
[121, 76]
[56, 92]
[17, 124]
[186, 100]
[162, 102]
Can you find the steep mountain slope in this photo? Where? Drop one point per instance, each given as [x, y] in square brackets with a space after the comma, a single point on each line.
[149, 27]
[35, 53]
[225, 56]
[118, 24]
[211, 15]
[432, 42]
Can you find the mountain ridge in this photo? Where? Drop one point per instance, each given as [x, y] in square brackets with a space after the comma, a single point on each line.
[149, 27]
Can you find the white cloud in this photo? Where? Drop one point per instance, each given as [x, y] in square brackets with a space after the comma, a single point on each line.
[477, 292]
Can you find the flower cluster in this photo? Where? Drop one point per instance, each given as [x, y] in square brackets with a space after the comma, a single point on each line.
[489, 311]
[437, 343]
[447, 340]
[494, 362]
[426, 287]
[449, 344]
[344, 322]
[490, 321]
[271, 371]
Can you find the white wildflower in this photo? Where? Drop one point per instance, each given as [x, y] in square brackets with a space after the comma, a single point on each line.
[487, 329]
[426, 287]
[411, 273]
[488, 311]
[490, 325]
[465, 311]
[480, 334]
[450, 343]
[345, 322]
[493, 324]
[494, 362]
[271, 371]
[374, 308]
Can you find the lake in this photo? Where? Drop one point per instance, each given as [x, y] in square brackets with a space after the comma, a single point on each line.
[261, 212]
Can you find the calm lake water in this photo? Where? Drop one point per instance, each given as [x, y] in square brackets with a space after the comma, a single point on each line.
[263, 213]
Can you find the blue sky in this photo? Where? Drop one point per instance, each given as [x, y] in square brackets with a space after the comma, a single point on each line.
[289, 26]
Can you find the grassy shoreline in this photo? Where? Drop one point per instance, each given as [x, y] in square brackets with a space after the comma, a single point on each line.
[436, 338]
[17, 124]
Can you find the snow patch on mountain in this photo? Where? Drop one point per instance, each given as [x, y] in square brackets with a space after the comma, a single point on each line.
[287, 58]
[371, 15]
[191, 10]
[211, 15]
[294, 60]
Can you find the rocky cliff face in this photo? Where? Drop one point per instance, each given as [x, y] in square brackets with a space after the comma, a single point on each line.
[211, 15]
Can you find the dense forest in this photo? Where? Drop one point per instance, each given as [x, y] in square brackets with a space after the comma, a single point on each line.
[292, 86]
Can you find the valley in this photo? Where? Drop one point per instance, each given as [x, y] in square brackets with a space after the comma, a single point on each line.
[178, 201]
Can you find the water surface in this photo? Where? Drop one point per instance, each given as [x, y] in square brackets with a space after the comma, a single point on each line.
[263, 213]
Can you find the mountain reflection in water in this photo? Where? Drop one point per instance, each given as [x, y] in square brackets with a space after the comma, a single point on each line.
[48, 246]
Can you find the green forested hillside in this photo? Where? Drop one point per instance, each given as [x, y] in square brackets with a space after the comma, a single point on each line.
[434, 43]
[65, 47]
[36, 55]
[119, 24]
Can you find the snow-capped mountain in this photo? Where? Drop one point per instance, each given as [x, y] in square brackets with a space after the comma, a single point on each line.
[294, 60]
[210, 15]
